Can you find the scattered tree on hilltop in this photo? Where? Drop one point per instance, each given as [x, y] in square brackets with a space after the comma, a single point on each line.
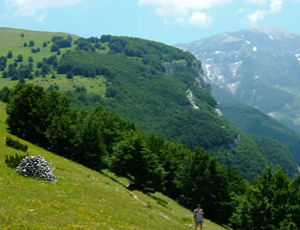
[19, 58]
[31, 43]
[3, 61]
[61, 42]
[54, 48]
[9, 54]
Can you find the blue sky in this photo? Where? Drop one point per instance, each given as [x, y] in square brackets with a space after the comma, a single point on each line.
[169, 21]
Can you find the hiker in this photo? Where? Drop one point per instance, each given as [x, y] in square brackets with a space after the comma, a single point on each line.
[198, 216]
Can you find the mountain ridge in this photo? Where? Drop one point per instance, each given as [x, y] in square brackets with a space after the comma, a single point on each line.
[152, 84]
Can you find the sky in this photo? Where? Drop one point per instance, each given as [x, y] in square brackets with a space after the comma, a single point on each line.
[168, 21]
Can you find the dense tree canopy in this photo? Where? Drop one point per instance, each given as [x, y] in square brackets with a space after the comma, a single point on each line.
[100, 139]
[272, 203]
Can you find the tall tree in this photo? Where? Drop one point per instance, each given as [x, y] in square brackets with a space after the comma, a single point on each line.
[133, 159]
[272, 203]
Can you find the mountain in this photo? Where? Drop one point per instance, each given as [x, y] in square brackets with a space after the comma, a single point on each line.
[159, 87]
[81, 199]
[260, 66]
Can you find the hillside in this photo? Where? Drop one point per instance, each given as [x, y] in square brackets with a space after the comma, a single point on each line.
[253, 121]
[260, 66]
[159, 87]
[81, 199]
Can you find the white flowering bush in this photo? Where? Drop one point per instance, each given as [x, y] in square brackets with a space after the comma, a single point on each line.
[36, 166]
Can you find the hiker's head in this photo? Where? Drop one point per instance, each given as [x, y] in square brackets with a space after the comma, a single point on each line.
[198, 206]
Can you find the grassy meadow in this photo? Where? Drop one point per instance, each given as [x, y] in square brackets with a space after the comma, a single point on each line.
[81, 199]
[11, 39]
[14, 39]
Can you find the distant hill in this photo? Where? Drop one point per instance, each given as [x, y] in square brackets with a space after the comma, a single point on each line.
[159, 87]
[81, 199]
[275, 151]
[253, 121]
[260, 66]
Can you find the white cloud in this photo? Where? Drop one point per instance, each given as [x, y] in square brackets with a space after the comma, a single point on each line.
[36, 8]
[275, 6]
[256, 16]
[263, 9]
[201, 19]
[42, 17]
[258, 2]
[184, 11]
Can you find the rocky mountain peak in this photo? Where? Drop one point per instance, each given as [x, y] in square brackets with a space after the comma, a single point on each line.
[260, 66]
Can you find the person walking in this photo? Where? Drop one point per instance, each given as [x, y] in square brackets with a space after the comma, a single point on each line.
[198, 217]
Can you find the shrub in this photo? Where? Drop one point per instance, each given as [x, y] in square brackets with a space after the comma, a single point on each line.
[19, 58]
[4, 94]
[36, 166]
[31, 43]
[54, 48]
[9, 54]
[16, 144]
[13, 161]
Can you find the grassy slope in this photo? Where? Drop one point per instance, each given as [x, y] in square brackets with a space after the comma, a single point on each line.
[82, 199]
[12, 38]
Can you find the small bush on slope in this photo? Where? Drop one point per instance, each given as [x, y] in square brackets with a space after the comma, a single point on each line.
[15, 144]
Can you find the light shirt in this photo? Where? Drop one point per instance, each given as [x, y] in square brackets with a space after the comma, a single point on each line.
[198, 214]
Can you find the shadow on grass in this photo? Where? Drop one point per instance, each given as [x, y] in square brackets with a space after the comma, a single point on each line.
[112, 177]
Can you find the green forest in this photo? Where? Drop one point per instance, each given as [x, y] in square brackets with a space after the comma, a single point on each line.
[144, 82]
[101, 140]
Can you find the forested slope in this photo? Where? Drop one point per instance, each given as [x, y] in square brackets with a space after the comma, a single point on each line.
[159, 87]
[81, 199]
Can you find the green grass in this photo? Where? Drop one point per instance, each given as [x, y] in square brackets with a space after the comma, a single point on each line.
[81, 199]
[12, 38]
[95, 85]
